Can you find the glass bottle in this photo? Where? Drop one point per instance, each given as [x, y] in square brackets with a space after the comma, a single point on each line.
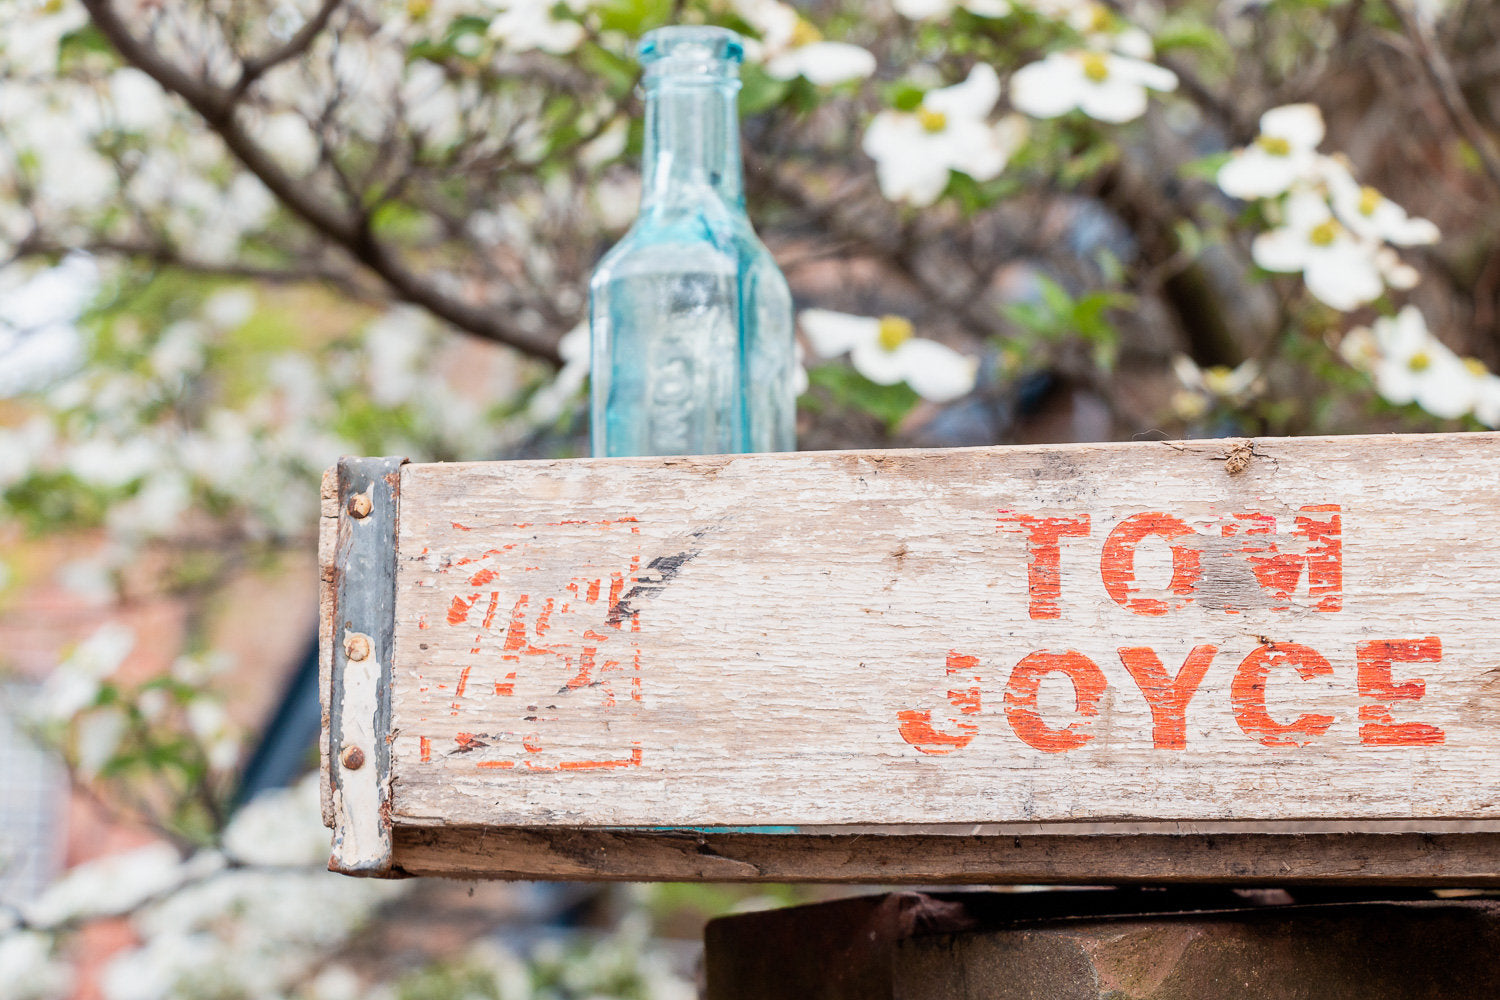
[691, 318]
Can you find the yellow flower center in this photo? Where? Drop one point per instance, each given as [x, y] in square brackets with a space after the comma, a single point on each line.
[1275, 145]
[805, 33]
[1099, 19]
[1216, 379]
[1369, 200]
[932, 121]
[1419, 362]
[418, 10]
[1324, 233]
[894, 331]
[1476, 367]
[1095, 67]
[1189, 405]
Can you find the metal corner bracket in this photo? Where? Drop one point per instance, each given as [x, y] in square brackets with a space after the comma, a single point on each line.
[359, 718]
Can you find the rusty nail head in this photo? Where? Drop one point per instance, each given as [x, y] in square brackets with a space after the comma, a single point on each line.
[359, 505]
[353, 758]
[356, 646]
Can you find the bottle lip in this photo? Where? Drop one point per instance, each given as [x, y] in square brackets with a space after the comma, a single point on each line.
[686, 51]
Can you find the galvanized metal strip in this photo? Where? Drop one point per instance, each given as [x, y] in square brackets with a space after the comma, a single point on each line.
[359, 718]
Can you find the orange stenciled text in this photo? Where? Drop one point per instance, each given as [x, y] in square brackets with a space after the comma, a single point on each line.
[1169, 697]
[1258, 563]
[917, 728]
[1278, 563]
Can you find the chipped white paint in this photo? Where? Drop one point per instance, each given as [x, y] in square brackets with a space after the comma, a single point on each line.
[874, 638]
[360, 840]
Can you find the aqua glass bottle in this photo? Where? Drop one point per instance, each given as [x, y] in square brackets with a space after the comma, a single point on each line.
[691, 318]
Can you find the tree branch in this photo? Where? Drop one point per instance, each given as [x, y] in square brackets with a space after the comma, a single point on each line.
[253, 69]
[350, 230]
[36, 245]
[1444, 82]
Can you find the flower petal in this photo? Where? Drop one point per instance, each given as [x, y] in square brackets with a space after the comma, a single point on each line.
[823, 63]
[1135, 43]
[937, 373]
[574, 345]
[890, 133]
[1301, 125]
[1280, 250]
[1412, 232]
[974, 98]
[1447, 389]
[877, 364]
[775, 21]
[915, 171]
[1487, 401]
[1306, 211]
[1344, 276]
[832, 333]
[919, 10]
[1114, 101]
[1047, 88]
[1395, 382]
[1396, 272]
[1360, 348]
[1253, 173]
[1187, 371]
[981, 151]
[1147, 74]
[1404, 334]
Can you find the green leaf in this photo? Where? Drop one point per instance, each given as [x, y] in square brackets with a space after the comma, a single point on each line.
[1183, 33]
[1189, 238]
[468, 24]
[904, 96]
[1055, 296]
[618, 72]
[634, 17]
[759, 91]
[1205, 168]
[851, 390]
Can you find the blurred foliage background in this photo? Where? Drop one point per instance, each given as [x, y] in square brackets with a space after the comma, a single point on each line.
[243, 237]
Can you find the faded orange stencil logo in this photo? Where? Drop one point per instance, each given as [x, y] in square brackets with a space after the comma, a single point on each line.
[557, 665]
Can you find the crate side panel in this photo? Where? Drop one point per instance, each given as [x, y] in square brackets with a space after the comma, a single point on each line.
[1095, 632]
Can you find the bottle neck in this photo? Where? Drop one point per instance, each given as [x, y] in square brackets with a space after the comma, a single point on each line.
[692, 140]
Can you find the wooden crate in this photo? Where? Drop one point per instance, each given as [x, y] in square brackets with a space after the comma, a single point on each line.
[1268, 661]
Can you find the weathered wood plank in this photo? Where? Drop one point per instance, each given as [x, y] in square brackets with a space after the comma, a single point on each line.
[1451, 859]
[1290, 632]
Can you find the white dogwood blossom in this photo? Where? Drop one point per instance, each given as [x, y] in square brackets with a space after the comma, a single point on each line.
[1410, 365]
[790, 46]
[1371, 215]
[884, 351]
[75, 682]
[1201, 388]
[1103, 85]
[1340, 269]
[1284, 154]
[1416, 367]
[552, 400]
[915, 150]
[1487, 399]
[31, 970]
[524, 25]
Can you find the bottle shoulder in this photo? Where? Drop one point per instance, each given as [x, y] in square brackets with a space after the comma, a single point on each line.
[687, 235]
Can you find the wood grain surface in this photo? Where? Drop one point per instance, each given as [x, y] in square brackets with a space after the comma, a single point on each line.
[1281, 631]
